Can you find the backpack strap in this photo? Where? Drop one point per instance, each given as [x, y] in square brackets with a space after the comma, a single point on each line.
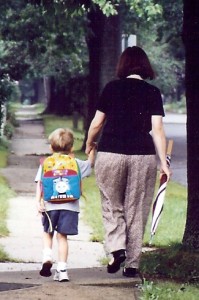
[42, 160]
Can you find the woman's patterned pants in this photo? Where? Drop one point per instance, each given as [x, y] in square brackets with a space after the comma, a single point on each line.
[126, 184]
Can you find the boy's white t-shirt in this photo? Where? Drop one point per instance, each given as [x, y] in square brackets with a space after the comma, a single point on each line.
[85, 169]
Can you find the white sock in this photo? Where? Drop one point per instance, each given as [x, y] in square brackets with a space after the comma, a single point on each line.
[47, 254]
[61, 266]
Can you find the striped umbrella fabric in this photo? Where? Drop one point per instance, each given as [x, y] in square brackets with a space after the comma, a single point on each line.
[159, 199]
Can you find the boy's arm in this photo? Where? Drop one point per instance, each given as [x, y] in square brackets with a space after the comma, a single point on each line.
[39, 200]
[91, 156]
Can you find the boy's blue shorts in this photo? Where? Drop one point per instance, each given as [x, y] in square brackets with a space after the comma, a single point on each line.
[63, 221]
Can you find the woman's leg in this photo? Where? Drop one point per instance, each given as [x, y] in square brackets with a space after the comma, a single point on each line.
[138, 198]
[111, 176]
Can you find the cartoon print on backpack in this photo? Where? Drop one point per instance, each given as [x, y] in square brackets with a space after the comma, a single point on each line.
[61, 188]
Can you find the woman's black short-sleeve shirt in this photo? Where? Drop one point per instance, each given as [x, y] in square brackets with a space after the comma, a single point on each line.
[129, 104]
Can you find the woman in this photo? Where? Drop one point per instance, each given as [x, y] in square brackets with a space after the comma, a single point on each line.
[130, 112]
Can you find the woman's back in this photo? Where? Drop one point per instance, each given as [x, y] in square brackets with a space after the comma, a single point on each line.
[129, 104]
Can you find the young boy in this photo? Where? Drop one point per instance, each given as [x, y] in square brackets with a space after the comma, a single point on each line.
[63, 217]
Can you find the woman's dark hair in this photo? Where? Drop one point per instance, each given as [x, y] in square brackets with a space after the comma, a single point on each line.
[134, 61]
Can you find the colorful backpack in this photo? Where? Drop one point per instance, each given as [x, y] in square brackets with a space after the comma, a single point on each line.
[61, 179]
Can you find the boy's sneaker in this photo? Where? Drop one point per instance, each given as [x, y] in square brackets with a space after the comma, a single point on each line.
[45, 270]
[56, 276]
[61, 276]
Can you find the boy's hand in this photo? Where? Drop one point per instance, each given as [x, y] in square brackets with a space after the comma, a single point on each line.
[91, 155]
[40, 207]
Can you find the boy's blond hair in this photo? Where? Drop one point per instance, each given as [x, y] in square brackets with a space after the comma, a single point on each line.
[61, 140]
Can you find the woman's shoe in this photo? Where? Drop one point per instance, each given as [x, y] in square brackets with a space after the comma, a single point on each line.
[130, 272]
[118, 258]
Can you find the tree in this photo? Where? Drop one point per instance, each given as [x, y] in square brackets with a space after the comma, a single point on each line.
[161, 38]
[104, 47]
[48, 45]
[191, 42]
[43, 44]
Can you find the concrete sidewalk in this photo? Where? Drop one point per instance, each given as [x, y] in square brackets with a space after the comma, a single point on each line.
[85, 284]
[88, 278]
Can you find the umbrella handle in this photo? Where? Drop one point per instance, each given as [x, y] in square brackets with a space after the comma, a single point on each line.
[163, 179]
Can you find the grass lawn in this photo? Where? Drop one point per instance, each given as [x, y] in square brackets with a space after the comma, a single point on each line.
[172, 222]
[165, 290]
[5, 194]
[3, 153]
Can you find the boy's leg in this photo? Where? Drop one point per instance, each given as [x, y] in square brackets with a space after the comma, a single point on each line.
[62, 247]
[47, 254]
[61, 272]
[66, 225]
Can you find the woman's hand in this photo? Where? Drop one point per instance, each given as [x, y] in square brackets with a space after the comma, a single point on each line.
[164, 169]
[94, 130]
[90, 147]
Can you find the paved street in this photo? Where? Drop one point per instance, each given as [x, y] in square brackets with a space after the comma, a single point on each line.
[177, 132]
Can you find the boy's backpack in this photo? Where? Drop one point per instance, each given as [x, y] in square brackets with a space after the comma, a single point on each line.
[61, 179]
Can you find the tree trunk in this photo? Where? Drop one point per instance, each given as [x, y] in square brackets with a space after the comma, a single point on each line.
[104, 46]
[56, 98]
[46, 82]
[111, 49]
[191, 42]
[94, 43]
[38, 88]
[50, 95]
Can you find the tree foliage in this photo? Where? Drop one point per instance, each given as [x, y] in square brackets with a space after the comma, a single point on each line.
[161, 38]
[39, 38]
[42, 44]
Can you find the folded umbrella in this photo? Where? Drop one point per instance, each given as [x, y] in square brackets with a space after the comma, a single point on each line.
[159, 199]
